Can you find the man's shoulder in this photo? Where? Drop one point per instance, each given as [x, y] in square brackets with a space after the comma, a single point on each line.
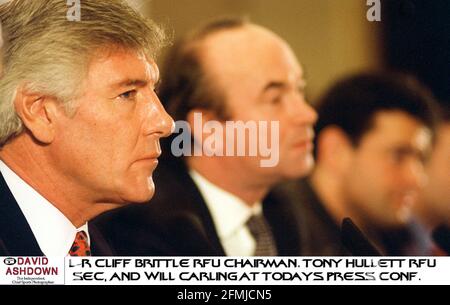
[317, 232]
[16, 236]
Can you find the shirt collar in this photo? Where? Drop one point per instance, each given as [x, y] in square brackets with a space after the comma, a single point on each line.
[229, 212]
[53, 231]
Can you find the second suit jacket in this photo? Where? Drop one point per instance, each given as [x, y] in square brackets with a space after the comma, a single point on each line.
[177, 222]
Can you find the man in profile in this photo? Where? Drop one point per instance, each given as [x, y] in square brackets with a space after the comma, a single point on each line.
[79, 122]
[373, 137]
[212, 204]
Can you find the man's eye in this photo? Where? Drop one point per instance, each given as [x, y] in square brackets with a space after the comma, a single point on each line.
[397, 157]
[128, 95]
[276, 100]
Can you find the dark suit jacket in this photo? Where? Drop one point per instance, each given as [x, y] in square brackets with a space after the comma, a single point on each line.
[321, 236]
[177, 222]
[16, 237]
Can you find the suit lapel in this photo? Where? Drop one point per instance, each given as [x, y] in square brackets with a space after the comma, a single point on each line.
[15, 233]
[284, 225]
[196, 205]
[277, 210]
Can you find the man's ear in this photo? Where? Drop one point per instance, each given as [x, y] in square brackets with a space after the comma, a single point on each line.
[334, 149]
[205, 126]
[38, 113]
[193, 118]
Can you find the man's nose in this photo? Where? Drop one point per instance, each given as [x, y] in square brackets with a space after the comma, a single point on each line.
[160, 121]
[301, 112]
[414, 175]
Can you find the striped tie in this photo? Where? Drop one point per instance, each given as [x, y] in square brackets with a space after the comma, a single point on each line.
[265, 243]
[80, 246]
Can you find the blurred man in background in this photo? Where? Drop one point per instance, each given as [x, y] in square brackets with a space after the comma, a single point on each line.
[373, 136]
[227, 71]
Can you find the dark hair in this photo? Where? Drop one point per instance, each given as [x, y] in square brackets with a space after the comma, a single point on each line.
[353, 102]
[185, 85]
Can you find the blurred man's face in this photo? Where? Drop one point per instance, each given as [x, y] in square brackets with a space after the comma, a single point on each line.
[387, 170]
[437, 190]
[263, 81]
[109, 148]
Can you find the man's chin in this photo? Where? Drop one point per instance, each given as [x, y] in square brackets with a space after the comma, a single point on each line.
[309, 164]
[144, 197]
[398, 219]
[404, 214]
[303, 167]
[404, 209]
[139, 195]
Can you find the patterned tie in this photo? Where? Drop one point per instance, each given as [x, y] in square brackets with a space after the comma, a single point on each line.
[80, 246]
[265, 243]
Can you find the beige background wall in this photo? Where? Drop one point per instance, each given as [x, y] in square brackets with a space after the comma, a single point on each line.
[330, 37]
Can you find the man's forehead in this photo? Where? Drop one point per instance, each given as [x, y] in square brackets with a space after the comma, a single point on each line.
[247, 32]
[248, 40]
[250, 52]
[116, 66]
[398, 127]
[387, 119]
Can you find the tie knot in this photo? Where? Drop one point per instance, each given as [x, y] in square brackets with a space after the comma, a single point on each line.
[260, 229]
[80, 246]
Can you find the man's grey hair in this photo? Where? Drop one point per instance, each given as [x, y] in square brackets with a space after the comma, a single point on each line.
[46, 53]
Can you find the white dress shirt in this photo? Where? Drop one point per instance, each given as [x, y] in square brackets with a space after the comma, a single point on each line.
[230, 215]
[54, 233]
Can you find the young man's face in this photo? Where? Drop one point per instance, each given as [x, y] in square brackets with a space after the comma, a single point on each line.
[387, 169]
[109, 148]
[263, 81]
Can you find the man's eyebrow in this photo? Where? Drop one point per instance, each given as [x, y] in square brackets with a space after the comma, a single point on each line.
[131, 83]
[409, 150]
[404, 148]
[274, 85]
[281, 85]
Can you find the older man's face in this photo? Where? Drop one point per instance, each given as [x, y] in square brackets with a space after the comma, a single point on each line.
[109, 148]
[263, 81]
